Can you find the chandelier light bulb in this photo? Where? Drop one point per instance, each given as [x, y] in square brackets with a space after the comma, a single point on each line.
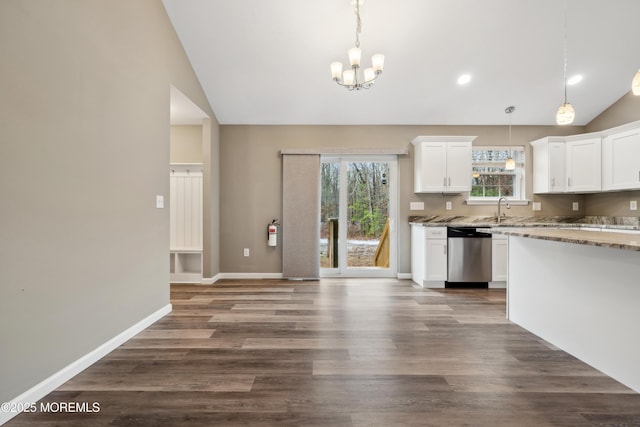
[348, 77]
[369, 75]
[377, 61]
[355, 54]
[336, 70]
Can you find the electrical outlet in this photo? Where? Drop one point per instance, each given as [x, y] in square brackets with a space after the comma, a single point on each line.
[448, 206]
[246, 251]
[576, 206]
[537, 206]
[633, 205]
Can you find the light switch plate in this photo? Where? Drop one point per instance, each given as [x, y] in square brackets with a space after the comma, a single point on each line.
[160, 202]
[633, 205]
[416, 206]
[537, 206]
[246, 251]
[576, 206]
[448, 206]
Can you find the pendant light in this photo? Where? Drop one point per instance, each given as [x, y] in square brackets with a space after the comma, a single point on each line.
[635, 84]
[510, 164]
[566, 113]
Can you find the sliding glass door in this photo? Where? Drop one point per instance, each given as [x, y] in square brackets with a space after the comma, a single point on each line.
[357, 216]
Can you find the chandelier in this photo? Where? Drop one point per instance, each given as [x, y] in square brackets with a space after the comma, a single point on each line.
[351, 78]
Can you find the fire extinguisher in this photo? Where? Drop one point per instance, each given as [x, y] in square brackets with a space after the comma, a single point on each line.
[272, 233]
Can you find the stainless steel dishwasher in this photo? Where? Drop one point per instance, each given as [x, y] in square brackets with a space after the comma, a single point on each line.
[468, 256]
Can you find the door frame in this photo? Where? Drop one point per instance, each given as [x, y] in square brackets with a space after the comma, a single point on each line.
[343, 270]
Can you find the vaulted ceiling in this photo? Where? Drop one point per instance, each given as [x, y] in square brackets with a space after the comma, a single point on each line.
[267, 61]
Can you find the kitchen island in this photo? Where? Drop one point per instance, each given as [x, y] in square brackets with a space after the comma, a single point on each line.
[580, 291]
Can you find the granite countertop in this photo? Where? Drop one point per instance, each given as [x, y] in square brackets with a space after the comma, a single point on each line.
[609, 239]
[631, 223]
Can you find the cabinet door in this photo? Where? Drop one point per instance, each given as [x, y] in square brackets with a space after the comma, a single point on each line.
[584, 165]
[499, 251]
[549, 166]
[436, 257]
[418, 254]
[557, 167]
[459, 167]
[621, 161]
[430, 167]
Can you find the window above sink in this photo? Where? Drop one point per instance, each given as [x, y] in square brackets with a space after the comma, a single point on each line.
[491, 180]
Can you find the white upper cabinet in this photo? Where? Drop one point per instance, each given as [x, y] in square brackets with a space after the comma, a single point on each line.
[621, 159]
[584, 163]
[549, 165]
[442, 164]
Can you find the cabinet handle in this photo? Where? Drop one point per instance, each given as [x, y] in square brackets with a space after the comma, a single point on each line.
[449, 181]
[553, 182]
[569, 182]
[444, 181]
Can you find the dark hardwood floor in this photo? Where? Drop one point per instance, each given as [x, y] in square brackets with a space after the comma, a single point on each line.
[357, 352]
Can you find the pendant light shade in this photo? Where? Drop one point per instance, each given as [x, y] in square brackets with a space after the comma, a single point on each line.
[510, 164]
[565, 114]
[635, 84]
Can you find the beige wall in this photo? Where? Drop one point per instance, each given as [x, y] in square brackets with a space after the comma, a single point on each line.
[251, 178]
[186, 144]
[625, 110]
[84, 150]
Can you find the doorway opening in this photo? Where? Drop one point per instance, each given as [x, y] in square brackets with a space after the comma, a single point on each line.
[357, 216]
[187, 159]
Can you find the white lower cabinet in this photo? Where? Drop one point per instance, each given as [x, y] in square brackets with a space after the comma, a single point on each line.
[436, 256]
[429, 256]
[499, 253]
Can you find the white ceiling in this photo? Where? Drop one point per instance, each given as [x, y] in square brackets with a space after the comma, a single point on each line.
[267, 61]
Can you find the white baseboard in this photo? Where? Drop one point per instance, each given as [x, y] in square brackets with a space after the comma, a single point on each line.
[249, 276]
[257, 276]
[45, 387]
[498, 285]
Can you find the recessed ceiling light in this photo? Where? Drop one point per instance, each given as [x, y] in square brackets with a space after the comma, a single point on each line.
[464, 79]
[574, 79]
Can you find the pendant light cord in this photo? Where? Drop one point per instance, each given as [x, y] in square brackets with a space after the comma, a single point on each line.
[358, 23]
[565, 51]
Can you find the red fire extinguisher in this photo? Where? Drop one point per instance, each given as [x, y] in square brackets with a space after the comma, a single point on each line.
[272, 233]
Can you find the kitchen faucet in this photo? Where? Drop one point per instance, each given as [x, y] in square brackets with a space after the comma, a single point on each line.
[500, 216]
